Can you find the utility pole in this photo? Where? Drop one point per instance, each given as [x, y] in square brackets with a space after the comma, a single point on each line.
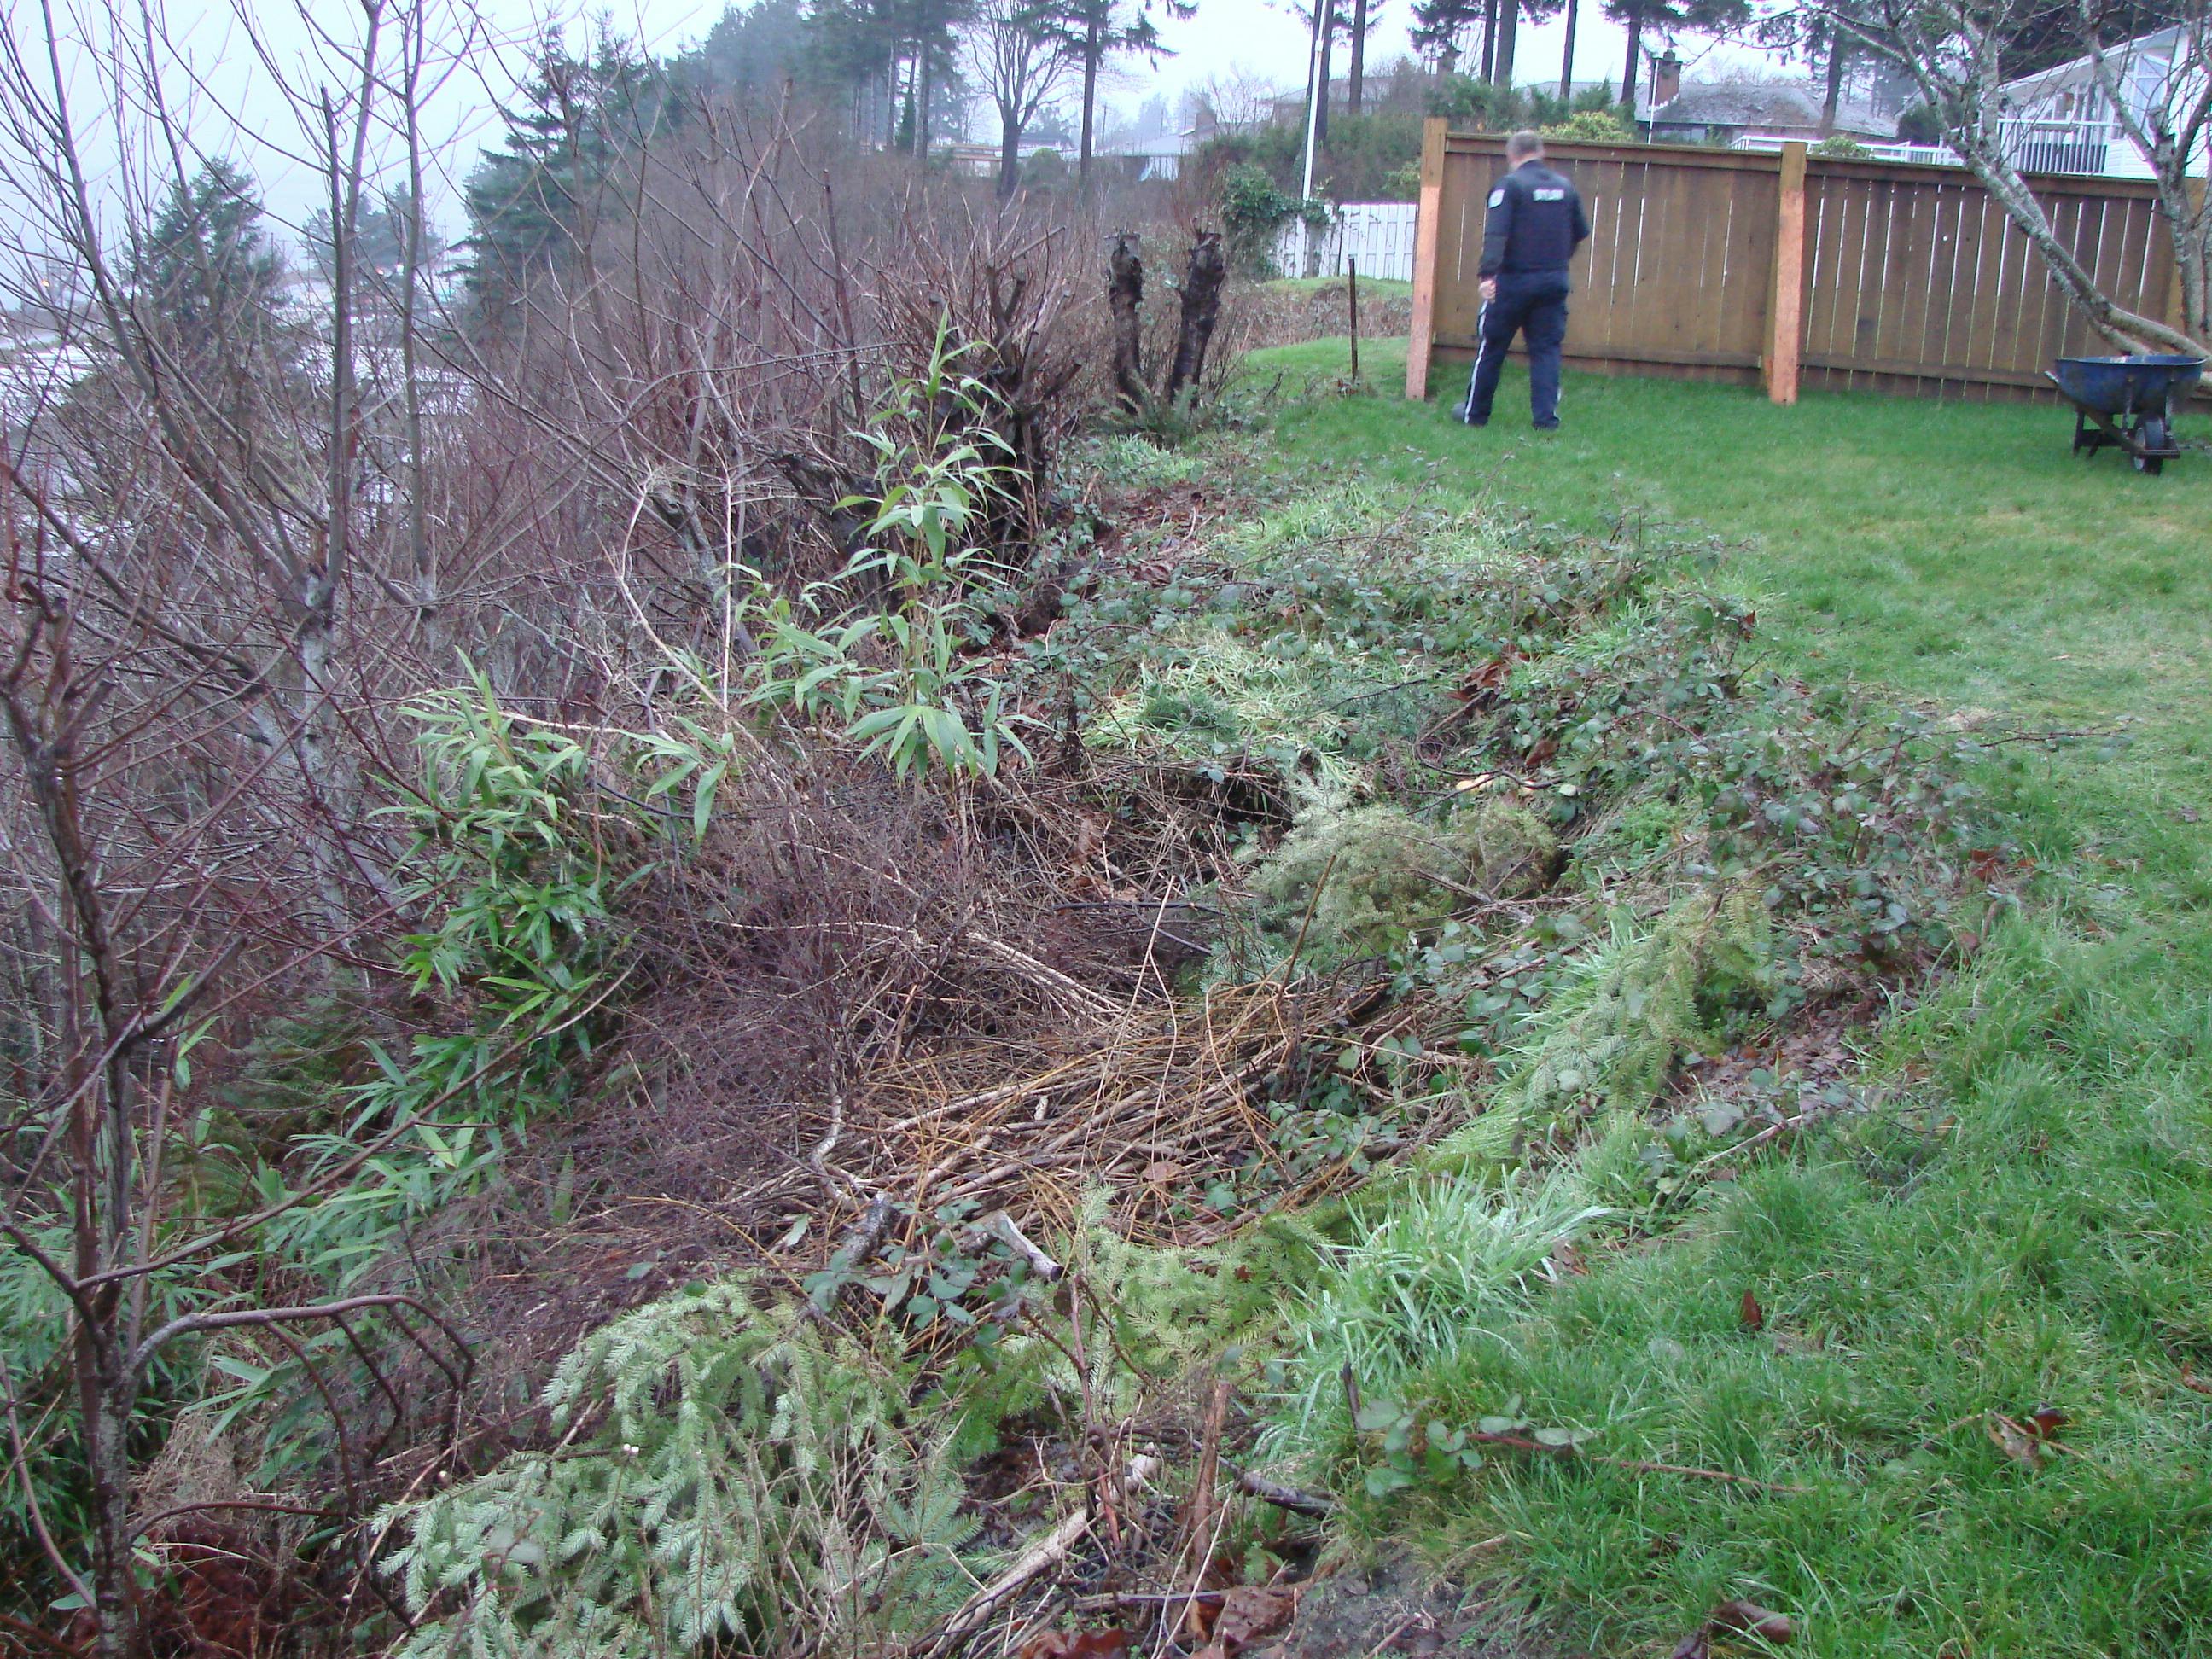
[1315, 93]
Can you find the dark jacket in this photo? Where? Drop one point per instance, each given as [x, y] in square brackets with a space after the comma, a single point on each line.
[1536, 222]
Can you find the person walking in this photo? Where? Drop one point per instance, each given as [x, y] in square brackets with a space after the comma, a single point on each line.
[1536, 222]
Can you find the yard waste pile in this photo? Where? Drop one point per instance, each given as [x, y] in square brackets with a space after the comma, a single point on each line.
[1337, 965]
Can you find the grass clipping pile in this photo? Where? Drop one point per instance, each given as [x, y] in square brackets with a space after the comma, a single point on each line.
[1378, 847]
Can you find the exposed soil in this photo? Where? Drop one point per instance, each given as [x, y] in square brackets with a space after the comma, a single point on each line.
[1397, 1608]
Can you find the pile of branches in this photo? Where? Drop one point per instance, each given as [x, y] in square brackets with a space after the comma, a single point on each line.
[1143, 1103]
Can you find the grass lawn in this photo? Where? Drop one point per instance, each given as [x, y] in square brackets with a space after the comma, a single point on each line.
[2027, 1219]
[1383, 287]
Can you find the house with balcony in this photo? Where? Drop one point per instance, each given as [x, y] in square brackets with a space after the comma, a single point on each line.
[2062, 120]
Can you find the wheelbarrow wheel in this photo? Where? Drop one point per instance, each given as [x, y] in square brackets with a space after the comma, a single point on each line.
[2151, 435]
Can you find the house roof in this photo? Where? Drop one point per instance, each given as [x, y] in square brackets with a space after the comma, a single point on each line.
[2153, 50]
[1763, 104]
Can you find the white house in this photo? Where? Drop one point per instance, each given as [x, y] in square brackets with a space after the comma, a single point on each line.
[2060, 120]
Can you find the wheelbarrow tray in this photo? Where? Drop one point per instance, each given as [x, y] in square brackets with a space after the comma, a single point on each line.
[2130, 402]
[2140, 384]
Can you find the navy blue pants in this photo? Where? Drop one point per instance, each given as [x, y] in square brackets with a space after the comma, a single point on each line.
[1532, 304]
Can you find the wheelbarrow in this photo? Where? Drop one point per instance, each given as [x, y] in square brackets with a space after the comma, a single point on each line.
[2127, 403]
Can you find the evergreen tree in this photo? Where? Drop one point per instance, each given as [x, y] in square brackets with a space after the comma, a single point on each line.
[379, 242]
[1439, 25]
[1672, 17]
[1364, 19]
[1094, 32]
[208, 269]
[533, 202]
[750, 54]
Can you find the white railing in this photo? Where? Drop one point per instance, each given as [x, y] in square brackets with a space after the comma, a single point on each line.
[1379, 235]
[1939, 155]
[2059, 145]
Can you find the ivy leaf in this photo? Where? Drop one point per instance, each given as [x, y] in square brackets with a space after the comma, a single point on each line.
[1384, 1479]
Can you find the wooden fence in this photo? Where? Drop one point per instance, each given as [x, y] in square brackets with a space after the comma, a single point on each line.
[1783, 269]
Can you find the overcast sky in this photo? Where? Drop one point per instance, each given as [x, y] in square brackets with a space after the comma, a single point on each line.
[213, 68]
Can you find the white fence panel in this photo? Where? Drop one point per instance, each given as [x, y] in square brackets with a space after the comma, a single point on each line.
[1379, 235]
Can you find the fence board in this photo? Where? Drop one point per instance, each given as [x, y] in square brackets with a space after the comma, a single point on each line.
[1914, 280]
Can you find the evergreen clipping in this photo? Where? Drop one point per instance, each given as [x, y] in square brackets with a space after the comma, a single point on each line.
[725, 1479]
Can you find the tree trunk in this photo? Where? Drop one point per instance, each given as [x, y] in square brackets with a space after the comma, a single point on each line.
[1838, 54]
[1092, 49]
[1201, 307]
[1321, 75]
[1124, 293]
[1010, 150]
[1355, 86]
[1509, 26]
[107, 1400]
[1567, 55]
[1489, 42]
[1635, 60]
[922, 104]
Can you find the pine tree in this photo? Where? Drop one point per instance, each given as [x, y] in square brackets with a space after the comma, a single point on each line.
[1094, 32]
[1439, 25]
[532, 204]
[207, 268]
[1671, 17]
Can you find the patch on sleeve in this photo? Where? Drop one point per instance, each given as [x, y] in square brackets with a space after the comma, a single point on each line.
[1498, 198]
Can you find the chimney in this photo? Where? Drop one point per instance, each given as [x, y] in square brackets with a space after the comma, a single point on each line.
[1666, 78]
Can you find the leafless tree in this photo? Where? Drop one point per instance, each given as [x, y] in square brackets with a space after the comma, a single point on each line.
[1959, 54]
[1020, 68]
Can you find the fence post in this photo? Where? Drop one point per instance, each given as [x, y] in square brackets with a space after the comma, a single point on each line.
[1428, 236]
[1785, 305]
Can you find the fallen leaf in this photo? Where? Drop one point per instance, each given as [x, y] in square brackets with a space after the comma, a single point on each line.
[1565, 1261]
[1164, 1170]
[1754, 1316]
[1246, 1616]
[2014, 1441]
[1490, 676]
[1736, 1618]
[1753, 1619]
[1109, 1643]
[2044, 1422]
[2190, 1380]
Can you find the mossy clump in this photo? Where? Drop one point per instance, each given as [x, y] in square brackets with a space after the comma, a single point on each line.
[1355, 879]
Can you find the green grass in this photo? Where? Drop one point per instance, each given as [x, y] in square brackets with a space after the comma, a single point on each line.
[1383, 287]
[1953, 551]
[2028, 1219]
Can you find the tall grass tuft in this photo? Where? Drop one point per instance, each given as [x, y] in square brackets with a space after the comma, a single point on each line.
[1439, 1268]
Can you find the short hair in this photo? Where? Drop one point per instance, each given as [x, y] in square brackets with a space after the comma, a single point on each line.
[1522, 145]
